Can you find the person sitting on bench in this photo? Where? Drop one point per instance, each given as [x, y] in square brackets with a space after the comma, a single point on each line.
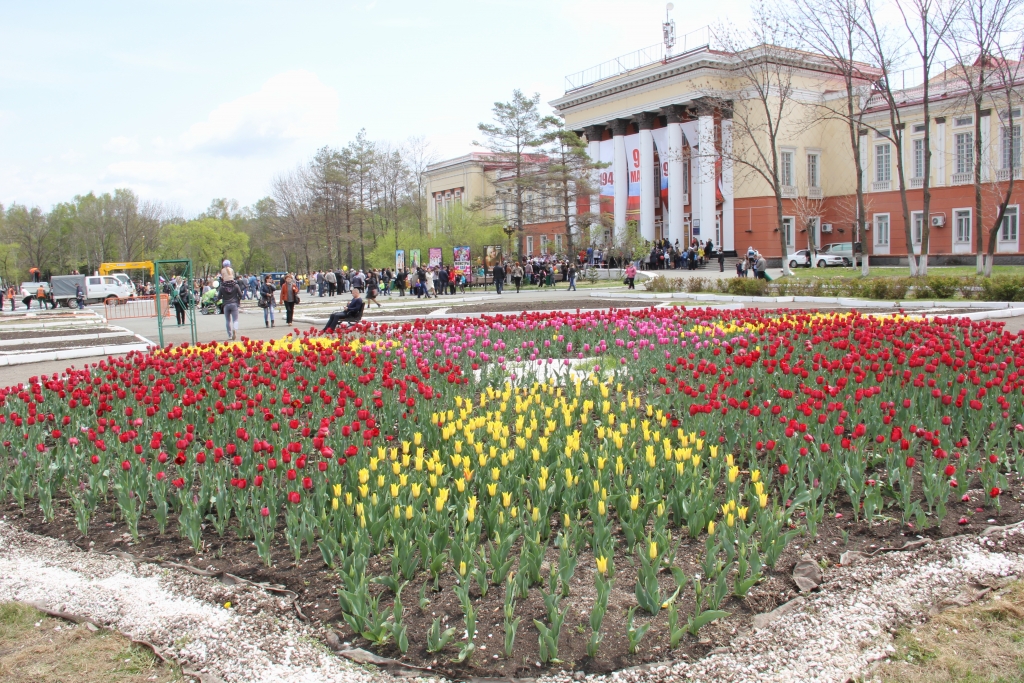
[352, 312]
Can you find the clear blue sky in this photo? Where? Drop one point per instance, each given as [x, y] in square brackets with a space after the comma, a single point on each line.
[186, 101]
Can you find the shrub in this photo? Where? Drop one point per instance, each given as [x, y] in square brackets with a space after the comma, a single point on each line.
[1003, 288]
[936, 287]
[743, 286]
[660, 283]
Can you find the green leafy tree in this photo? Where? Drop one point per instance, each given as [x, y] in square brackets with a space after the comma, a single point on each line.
[206, 241]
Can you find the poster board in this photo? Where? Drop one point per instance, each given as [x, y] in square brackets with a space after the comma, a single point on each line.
[399, 260]
[414, 258]
[435, 256]
[461, 259]
[492, 255]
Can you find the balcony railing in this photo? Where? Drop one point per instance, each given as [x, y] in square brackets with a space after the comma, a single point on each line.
[881, 186]
[688, 42]
[916, 183]
[1003, 174]
[789, 192]
[814, 193]
[962, 178]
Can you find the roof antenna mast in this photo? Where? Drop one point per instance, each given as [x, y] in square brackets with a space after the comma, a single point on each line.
[668, 30]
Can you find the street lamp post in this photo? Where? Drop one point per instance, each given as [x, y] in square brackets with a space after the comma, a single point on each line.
[509, 229]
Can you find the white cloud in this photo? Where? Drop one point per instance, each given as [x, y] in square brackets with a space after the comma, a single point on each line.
[290, 107]
[122, 145]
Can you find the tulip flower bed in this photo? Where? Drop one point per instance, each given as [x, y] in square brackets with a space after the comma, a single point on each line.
[433, 499]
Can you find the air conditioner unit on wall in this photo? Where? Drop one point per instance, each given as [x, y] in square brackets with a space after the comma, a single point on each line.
[938, 220]
[826, 227]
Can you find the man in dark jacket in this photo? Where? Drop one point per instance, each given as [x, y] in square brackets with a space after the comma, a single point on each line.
[353, 311]
[499, 277]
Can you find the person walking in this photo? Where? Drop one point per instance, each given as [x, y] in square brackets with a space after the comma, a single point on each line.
[760, 267]
[400, 281]
[41, 296]
[266, 301]
[517, 276]
[12, 295]
[630, 276]
[499, 277]
[179, 305]
[79, 297]
[231, 298]
[289, 297]
[571, 275]
[372, 289]
[721, 260]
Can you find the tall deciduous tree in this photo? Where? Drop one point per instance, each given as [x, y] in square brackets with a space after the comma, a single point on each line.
[761, 105]
[514, 136]
[566, 178]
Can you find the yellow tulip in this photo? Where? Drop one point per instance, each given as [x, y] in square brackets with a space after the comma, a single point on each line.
[711, 528]
[364, 475]
[348, 498]
[652, 551]
[601, 509]
[416, 486]
[742, 512]
[334, 503]
[417, 438]
[506, 498]
[602, 565]
[337, 490]
[535, 514]
[565, 520]
[755, 476]
[634, 501]
[462, 568]
[729, 520]
[763, 500]
[470, 514]
[408, 512]
[733, 473]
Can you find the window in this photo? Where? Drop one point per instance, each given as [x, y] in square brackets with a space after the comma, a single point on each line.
[1008, 230]
[964, 143]
[558, 243]
[787, 226]
[883, 159]
[917, 226]
[786, 168]
[813, 176]
[1010, 147]
[884, 133]
[882, 229]
[529, 245]
[960, 121]
[918, 127]
[962, 220]
[918, 154]
[1005, 114]
[95, 281]
[543, 245]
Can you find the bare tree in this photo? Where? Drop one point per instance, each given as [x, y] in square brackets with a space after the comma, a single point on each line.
[830, 28]
[978, 31]
[418, 155]
[762, 106]
[295, 203]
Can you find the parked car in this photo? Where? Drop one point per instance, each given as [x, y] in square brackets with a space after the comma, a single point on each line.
[95, 288]
[842, 249]
[824, 260]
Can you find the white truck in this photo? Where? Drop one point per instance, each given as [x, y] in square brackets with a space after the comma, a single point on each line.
[95, 288]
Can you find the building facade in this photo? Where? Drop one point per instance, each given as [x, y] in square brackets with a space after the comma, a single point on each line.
[676, 138]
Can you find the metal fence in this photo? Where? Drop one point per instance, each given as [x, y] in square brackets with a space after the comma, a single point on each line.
[136, 307]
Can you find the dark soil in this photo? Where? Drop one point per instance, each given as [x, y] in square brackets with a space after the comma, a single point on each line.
[316, 586]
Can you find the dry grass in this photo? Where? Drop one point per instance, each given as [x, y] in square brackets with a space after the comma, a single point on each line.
[35, 648]
[981, 643]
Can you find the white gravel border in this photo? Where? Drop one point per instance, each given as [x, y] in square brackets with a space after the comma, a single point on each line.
[837, 634]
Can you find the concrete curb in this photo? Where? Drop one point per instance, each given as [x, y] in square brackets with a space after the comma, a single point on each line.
[845, 302]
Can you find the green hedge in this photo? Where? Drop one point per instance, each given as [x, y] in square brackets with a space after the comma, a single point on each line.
[996, 288]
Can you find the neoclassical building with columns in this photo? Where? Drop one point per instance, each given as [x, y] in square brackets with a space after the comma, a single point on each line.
[675, 137]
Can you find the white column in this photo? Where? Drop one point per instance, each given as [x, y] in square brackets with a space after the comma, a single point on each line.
[646, 176]
[694, 188]
[594, 151]
[863, 147]
[706, 181]
[621, 169]
[728, 224]
[986, 152]
[939, 159]
[676, 189]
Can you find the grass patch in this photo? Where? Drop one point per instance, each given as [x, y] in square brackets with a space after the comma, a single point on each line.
[981, 643]
[37, 648]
